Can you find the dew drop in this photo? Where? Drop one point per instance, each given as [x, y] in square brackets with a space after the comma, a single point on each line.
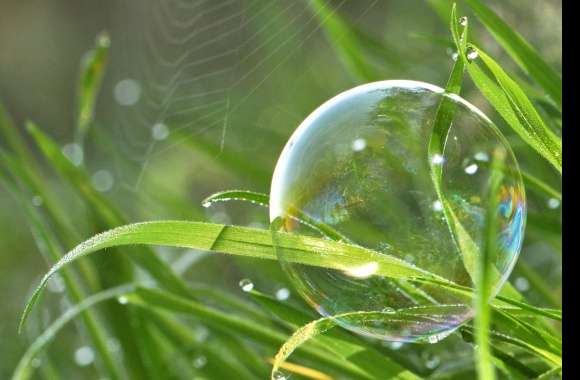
[389, 310]
[463, 21]
[127, 92]
[396, 345]
[74, 153]
[455, 56]
[472, 54]
[522, 284]
[433, 339]
[481, 156]
[102, 180]
[84, 356]
[437, 206]
[200, 362]
[206, 204]
[553, 203]
[437, 159]
[282, 294]
[201, 333]
[56, 284]
[123, 300]
[471, 169]
[159, 132]
[247, 285]
[431, 361]
[359, 144]
[279, 375]
[37, 201]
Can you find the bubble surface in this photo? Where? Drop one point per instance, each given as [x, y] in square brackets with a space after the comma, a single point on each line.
[381, 195]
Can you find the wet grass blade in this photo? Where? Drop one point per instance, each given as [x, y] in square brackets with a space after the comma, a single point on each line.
[243, 241]
[531, 127]
[520, 50]
[92, 72]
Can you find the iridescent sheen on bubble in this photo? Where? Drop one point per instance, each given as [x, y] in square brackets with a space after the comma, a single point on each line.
[359, 165]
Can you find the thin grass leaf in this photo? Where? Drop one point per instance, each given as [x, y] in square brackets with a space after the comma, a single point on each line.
[534, 130]
[24, 369]
[92, 72]
[343, 41]
[484, 364]
[107, 212]
[322, 325]
[226, 321]
[537, 135]
[550, 373]
[243, 241]
[520, 50]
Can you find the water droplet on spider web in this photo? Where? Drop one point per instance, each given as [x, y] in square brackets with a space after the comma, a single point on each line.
[127, 92]
[102, 180]
[159, 131]
[386, 200]
[247, 285]
[84, 356]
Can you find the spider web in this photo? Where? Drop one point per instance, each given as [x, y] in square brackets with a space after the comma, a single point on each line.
[194, 66]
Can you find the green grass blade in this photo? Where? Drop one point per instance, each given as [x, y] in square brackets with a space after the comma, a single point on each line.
[25, 368]
[243, 241]
[537, 135]
[343, 41]
[484, 364]
[106, 212]
[227, 321]
[535, 132]
[92, 71]
[520, 50]
[237, 195]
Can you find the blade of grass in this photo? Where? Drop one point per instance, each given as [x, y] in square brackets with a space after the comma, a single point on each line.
[534, 130]
[160, 299]
[484, 363]
[92, 71]
[249, 242]
[108, 213]
[343, 41]
[520, 50]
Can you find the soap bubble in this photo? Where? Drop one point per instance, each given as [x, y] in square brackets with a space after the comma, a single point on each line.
[381, 195]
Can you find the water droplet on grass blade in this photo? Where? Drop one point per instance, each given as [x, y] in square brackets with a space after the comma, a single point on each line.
[246, 285]
[462, 20]
[553, 203]
[471, 54]
[388, 197]
[282, 294]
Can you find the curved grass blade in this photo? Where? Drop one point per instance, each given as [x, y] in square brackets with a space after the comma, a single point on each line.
[243, 241]
[534, 130]
[322, 325]
[343, 41]
[25, 368]
[92, 72]
[520, 50]
[237, 195]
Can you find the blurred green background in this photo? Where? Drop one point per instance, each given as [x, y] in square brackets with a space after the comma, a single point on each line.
[200, 97]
